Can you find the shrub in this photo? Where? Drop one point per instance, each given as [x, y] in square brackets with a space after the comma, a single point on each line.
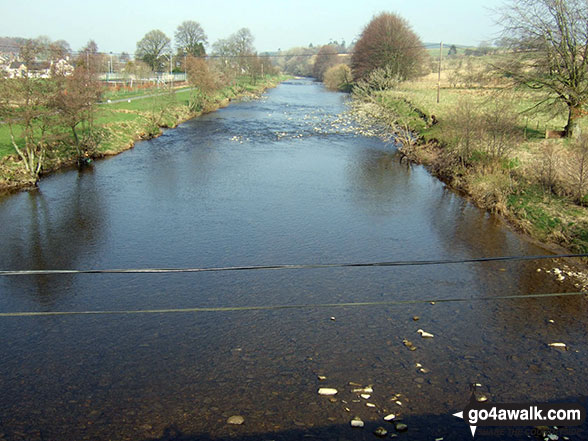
[338, 77]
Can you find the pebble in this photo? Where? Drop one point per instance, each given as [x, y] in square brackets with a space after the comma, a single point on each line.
[418, 365]
[365, 396]
[333, 318]
[482, 399]
[236, 419]
[389, 417]
[398, 403]
[322, 378]
[424, 370]
[364, 390]
[327, 391]
[370, 404]
[558, 345]
[425, 334]
[416, 318]
[419, 380]
[401, 427]
[381, 432]
[409, 344]
[356, 422]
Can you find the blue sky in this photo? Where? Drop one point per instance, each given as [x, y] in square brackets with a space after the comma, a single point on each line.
[116, 25]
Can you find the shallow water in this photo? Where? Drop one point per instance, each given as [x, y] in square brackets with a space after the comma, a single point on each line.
[274, 181]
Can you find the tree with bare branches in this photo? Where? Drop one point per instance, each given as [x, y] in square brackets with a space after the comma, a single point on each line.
[191, 39]
[152, 47]
[388, 41]
[549, 44]
[325, 58]
[25, 109]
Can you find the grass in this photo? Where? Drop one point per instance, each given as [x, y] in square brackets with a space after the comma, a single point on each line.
[119, 125]
[508, 186]
[5, 144]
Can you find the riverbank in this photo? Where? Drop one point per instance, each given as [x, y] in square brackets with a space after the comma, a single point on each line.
[509, 169]
[119, 126]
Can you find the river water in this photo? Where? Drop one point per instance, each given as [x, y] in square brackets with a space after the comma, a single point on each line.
[272, 181]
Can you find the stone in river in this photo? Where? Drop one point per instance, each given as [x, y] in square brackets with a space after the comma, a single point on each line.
[425, 334]
[401, 427]
[356, 422]
[381, 432]
[327, 391]
[236, 419]
[409, 344]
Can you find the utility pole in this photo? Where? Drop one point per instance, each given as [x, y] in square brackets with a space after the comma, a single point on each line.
[439, 77]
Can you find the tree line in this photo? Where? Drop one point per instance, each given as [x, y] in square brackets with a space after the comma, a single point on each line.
[54, 115]
[543, 47]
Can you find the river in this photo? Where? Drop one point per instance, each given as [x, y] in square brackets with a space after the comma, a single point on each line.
[271, 181]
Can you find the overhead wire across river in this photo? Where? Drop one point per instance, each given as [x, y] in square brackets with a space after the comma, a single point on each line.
[287, 267]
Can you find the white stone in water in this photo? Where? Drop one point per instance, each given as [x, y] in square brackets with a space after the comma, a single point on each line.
[322, 378]
[399, 403]
[356, 422]
[364, 390]
[236, 419]
[365, 396]
[327, 391]
[557, 345]
[389, 417]
[425, 334]
[419, 365]
[370, 404]
[482, 399]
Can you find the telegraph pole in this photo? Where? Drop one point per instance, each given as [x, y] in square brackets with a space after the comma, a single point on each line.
[439, 77]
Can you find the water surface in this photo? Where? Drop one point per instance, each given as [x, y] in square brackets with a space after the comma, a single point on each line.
[274, 181]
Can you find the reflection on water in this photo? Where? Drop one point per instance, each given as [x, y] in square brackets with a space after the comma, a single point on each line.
[266, 182]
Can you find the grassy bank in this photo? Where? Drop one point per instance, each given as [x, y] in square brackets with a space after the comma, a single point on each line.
[120, 125]
[508, 168]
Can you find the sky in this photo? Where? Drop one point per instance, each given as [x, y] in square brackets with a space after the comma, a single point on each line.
[117, 25]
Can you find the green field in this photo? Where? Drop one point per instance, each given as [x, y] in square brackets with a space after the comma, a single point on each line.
[510, 185]
[119, 125]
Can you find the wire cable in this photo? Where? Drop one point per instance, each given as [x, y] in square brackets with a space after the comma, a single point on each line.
[283, 307]
[285, 267]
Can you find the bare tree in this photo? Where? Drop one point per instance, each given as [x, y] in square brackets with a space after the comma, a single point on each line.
[326, 58]
[235, 52]
[151, 48]
[576, 169]
[388, 40]
[191, 39]
[550, 41]
[201, 78]
[75, 102]
[24, 107]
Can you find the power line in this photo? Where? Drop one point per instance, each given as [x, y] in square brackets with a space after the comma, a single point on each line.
[285, 267]
[284, 307]
[280, 54]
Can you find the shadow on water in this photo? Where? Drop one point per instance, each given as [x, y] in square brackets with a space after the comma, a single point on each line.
[55, 237]
[424, 427]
